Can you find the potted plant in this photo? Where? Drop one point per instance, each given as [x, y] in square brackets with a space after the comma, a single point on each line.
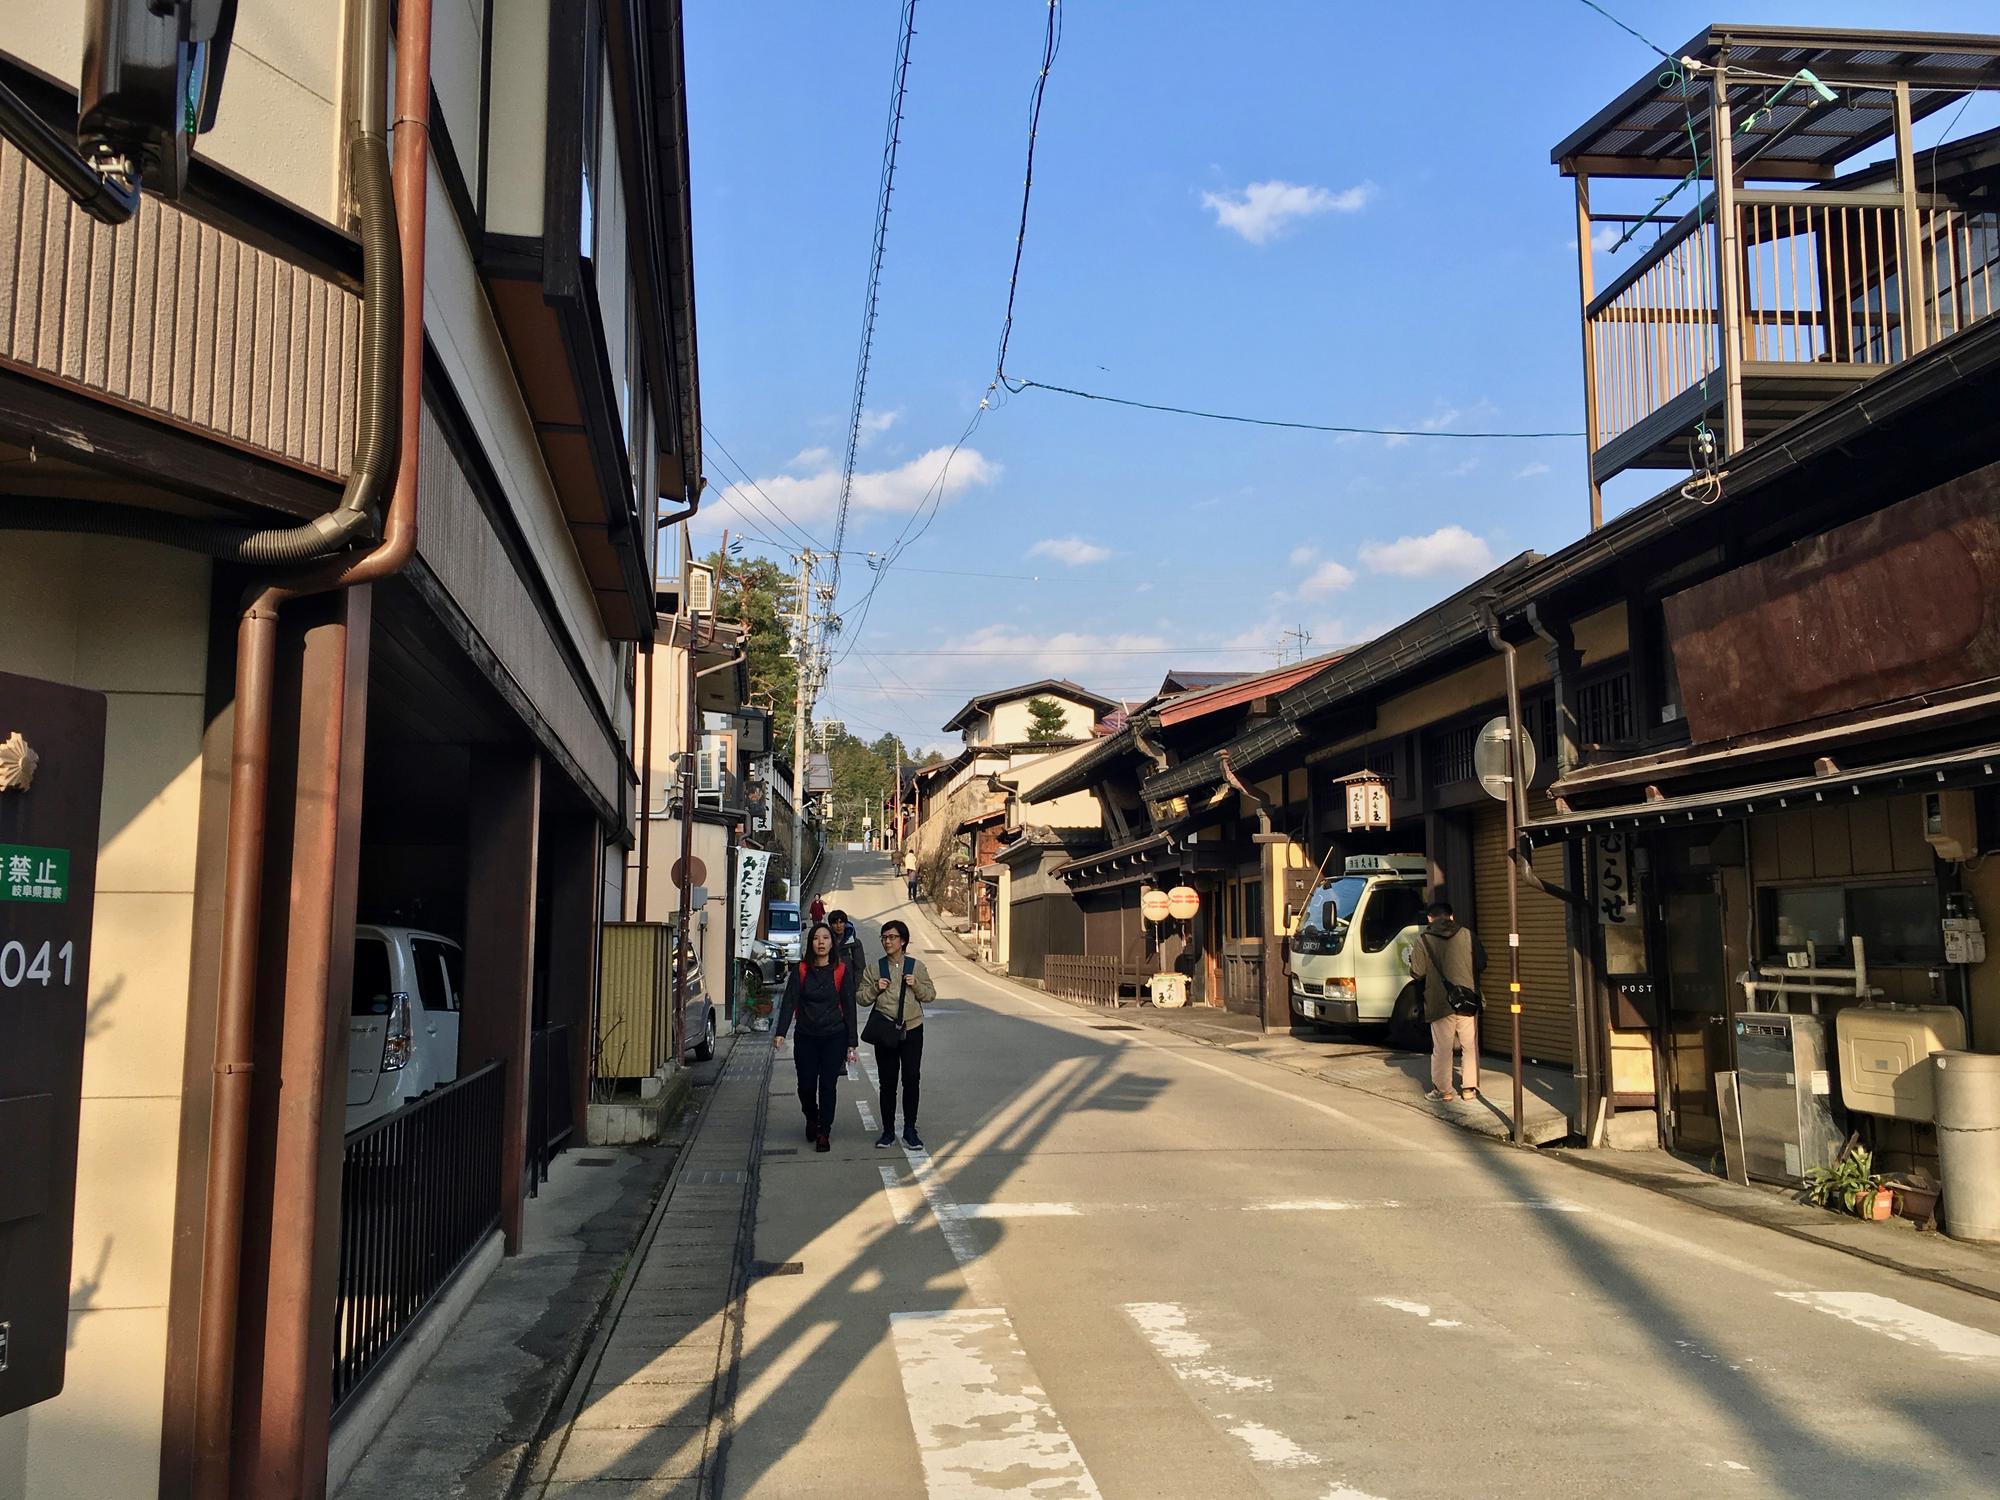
[1854, 1182]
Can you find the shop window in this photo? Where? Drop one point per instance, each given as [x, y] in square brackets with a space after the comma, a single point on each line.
[1253, 910]
[1448, 754]
[1604, 711]
[1897, 923]
[1391, 909]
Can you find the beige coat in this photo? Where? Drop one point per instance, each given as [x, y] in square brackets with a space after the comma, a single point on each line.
[904, 1003]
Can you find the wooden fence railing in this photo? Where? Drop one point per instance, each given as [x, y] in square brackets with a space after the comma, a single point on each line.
[1092, 979]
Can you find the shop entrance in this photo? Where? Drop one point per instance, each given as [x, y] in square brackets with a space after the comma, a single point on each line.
[1695, 1029]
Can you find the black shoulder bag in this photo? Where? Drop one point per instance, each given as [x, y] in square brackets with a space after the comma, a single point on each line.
[880, 1030]
[1463, 999]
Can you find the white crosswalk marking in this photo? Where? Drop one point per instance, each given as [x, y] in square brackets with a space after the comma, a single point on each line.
[1900, 1321]
[978, 1411]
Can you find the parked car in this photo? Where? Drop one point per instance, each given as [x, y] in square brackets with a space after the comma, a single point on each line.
[765, 961]
[697, 1014]
[402, 1019]
[784, 930]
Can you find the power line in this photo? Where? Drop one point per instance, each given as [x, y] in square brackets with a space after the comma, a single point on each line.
[878, 248]
[1085, 651]
[1592, 4]
[933, 499]
[1017, 385]
[777, 518]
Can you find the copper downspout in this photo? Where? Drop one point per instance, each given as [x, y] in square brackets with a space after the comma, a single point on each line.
[645, 779]
[250, 757]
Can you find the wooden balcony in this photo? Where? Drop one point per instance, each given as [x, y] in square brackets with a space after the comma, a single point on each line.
[1819, 307]
[1813, 260]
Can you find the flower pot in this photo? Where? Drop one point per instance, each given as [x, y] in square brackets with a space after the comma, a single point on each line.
[1877, 1205]
[1918, 1203]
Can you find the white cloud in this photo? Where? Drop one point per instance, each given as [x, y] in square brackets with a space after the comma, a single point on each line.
[1328, 578]
[809, 458]
[875, 423]
[1301, 556]
[1070, 551]
[811, 496]
[1436, 422]
[1463, 467]
[1264, 210]
[1449, 549]
[1530, 471]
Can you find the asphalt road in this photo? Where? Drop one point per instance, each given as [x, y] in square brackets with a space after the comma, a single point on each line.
[1136, 1266]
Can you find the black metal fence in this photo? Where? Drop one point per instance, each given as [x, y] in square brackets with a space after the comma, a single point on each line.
[551, 1100]
[419, 1192]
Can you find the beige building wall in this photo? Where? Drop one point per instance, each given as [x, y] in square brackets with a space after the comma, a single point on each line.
[1008, 722]
[279, 123]
[131, 621]
[1073, 809]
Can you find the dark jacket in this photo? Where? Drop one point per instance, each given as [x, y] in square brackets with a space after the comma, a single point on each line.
[848, 950]
[1460, 955]
[823, 1007]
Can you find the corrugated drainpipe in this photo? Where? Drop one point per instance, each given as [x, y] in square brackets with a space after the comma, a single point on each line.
[229, 1117]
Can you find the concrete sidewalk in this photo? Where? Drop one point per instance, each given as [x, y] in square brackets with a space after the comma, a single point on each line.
[1401, 1077]
[647, 1413]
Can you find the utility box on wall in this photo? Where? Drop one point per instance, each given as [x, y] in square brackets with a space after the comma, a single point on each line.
[51, 783]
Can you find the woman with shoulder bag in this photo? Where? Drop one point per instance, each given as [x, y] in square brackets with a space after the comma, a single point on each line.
[820, 991]
[896, 1030]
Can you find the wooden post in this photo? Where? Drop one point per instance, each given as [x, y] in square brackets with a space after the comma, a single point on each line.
[502, 849]
[1586, 281]
[1915, 273]
[1729, 269]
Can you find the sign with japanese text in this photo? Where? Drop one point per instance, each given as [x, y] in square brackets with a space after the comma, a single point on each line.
[752, 868]
[1367, 804]
[31, 874]
[48, 882]
[1614, 880]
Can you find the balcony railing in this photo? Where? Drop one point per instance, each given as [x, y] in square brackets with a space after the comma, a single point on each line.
[1819, 308]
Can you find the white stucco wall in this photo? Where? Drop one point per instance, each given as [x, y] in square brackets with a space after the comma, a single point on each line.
[1010, 721]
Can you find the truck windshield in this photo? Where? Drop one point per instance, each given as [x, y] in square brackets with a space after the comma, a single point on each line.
[1328, 913]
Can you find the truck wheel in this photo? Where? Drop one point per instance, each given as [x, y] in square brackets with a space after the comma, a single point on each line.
[1407, 1030]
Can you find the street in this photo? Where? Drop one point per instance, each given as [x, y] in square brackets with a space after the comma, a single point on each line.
[1138, 1267]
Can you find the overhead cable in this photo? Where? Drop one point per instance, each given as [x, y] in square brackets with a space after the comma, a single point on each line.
[1016, 384]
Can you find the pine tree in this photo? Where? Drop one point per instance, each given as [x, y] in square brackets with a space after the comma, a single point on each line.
[1048, 720]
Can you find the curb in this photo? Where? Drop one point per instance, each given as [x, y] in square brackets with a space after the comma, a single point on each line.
[567, 1394]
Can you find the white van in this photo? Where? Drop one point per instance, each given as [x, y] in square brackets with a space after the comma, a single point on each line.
[1350, 947]
[402, 1020]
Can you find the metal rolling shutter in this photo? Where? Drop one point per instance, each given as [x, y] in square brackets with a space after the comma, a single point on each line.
[1547, 1018]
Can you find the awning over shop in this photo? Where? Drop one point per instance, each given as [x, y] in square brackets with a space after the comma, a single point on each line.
[1245, 754]
[1954, 768]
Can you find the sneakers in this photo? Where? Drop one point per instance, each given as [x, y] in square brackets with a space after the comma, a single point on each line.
[911, 1139]
[823, 1142]
[1437, 1098]
[888, 1139]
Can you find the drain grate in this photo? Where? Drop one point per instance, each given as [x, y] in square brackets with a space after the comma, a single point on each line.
[595, 1161]
[1114, 1026]
[777, 1268]
[781, 1150]
[714, 1178]
[934, 950]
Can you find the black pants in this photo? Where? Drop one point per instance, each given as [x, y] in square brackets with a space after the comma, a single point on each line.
[821, 1060]
[908, 1061]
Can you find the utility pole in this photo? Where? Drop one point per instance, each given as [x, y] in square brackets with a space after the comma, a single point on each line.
[802, 653]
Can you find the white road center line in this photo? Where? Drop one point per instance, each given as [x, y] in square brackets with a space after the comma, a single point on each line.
[867, 1115]
[903, 1202]
[978, 1412]
[1900, 1321]
[1016, 1210]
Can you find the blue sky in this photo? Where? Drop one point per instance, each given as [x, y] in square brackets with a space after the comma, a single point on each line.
[1406, 261]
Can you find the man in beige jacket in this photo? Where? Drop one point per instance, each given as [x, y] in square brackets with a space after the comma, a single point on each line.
[1449, 957]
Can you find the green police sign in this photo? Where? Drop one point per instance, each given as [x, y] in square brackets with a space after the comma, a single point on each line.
[31, 874]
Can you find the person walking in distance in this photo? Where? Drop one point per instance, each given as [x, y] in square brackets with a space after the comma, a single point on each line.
[902, 988]
[817, 911]
[1449, 959]
[820, 992]
[910, 873]
[846, 941]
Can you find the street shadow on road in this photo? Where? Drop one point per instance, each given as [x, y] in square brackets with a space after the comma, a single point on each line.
[822, 1344]
[1797, 1458]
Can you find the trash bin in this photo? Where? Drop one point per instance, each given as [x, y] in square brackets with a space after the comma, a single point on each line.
[1968, 1126]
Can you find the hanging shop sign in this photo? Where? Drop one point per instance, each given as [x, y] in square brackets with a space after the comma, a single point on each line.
[1153, 905]
[1367, 804]
[752, 867]
[1614, 879]
[1183, 901]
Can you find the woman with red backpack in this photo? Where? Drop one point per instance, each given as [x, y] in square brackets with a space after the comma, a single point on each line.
[820, 991]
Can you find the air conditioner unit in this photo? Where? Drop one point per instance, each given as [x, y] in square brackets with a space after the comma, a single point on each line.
[700, 590]
[708, 770]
